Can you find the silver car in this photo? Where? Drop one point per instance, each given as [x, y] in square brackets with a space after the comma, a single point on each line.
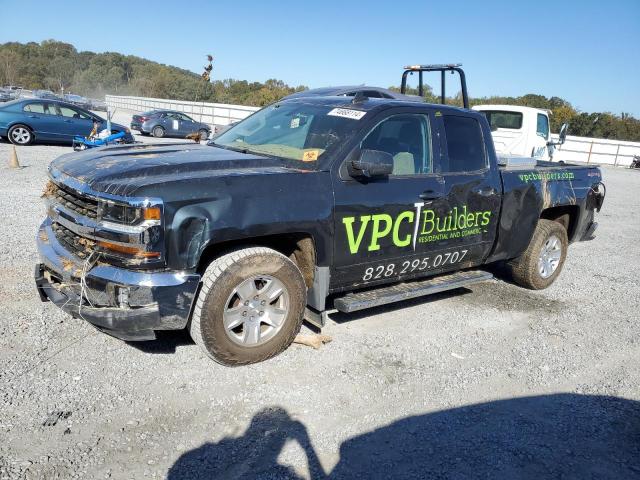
[168, 123]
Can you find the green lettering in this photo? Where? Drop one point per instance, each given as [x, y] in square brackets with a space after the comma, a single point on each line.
[486, 218]
[377, 234]
[408, 215]
[427, 222]
[354, 244]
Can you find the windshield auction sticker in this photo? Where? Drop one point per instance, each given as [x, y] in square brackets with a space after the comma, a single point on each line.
[347, 113]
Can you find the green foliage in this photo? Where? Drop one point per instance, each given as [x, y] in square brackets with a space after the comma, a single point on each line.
[58, 66]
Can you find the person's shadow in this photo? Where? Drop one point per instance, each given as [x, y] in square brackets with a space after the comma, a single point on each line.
[564, 436]
[253, 455]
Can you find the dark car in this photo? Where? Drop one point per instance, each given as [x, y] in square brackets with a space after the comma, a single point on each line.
[97, 105]
[168, 123]
[78, 101]
[351, 91]
[30, 119]
[46, 94]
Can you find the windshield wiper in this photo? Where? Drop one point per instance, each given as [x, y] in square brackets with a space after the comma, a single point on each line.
[242, 150]
[226, 147]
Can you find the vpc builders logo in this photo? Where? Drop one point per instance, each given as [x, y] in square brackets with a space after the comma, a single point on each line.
[427, 227]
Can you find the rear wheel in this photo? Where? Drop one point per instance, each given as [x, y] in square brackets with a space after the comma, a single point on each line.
[204, 134]
[250, 306]
[542, 261]
[158, 132]
[20, 135]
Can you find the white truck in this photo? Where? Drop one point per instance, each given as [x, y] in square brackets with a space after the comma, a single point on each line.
[521, 131]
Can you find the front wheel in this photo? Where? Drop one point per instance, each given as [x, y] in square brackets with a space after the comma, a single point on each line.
[542, 261]
[250, 306]
[204, 134]
[158, 132]
[20, 135]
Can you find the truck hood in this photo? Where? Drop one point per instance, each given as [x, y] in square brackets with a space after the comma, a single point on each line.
[125, 170]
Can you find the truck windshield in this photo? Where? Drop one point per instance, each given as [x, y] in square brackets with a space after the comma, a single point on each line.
[297, 131]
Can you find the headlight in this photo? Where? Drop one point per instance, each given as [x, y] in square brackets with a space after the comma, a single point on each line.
[126, 214]
[130, 232]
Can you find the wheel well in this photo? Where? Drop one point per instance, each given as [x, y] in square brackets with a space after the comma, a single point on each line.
[20, 125]
[566, 215]
[298, 247]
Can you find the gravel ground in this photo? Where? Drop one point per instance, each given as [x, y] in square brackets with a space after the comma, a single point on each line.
[492, 381]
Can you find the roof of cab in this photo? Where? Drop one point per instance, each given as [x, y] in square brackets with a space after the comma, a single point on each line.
[373, 104]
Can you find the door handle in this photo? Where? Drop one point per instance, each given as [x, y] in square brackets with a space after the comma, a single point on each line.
[33, 116]
[429, 195]
[485, 191]
[68, 121]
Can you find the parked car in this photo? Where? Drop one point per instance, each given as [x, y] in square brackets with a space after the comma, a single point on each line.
[168, 123]
[78, 101]
[5, 96]
[46, 94]
[351, 91]
[27, 120]
[307, 205]
[97, 105]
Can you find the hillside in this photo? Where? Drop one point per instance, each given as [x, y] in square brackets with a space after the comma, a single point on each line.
[56, 65]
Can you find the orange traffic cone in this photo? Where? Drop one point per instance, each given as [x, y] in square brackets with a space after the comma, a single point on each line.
[13, 158]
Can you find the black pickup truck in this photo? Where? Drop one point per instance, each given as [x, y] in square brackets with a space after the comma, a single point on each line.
[309, 204]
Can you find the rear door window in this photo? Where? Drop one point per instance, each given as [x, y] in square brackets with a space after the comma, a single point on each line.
[465, 144]
[34, 108]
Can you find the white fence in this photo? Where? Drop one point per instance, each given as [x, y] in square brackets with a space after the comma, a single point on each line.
[209, 113]
[575, 149]
[596, 150]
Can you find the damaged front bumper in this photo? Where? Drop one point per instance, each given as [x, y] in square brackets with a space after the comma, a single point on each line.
[128, 304]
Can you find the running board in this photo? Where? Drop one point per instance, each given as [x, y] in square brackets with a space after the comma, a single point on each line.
[353, 302]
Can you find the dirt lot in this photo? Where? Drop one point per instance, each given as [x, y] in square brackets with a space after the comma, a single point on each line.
[490, 382]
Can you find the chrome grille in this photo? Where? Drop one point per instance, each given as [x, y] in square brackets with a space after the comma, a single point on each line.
[72, 242]
[76, 202]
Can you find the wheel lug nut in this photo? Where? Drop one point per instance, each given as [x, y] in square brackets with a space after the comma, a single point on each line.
[246, 303]
[244, 314]
[256, 297]
[263, 302]
[261, 313]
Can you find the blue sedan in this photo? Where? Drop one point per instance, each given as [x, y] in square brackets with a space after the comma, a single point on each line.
[27, 120]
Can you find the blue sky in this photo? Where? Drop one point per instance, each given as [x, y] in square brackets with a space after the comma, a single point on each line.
[585, 51]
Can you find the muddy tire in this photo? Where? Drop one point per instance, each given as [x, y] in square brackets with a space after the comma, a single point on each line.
[250, 306]
[542, 261]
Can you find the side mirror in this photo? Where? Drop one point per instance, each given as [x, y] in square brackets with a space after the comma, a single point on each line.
[371, 163]
[563, 133]
[562, 136]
